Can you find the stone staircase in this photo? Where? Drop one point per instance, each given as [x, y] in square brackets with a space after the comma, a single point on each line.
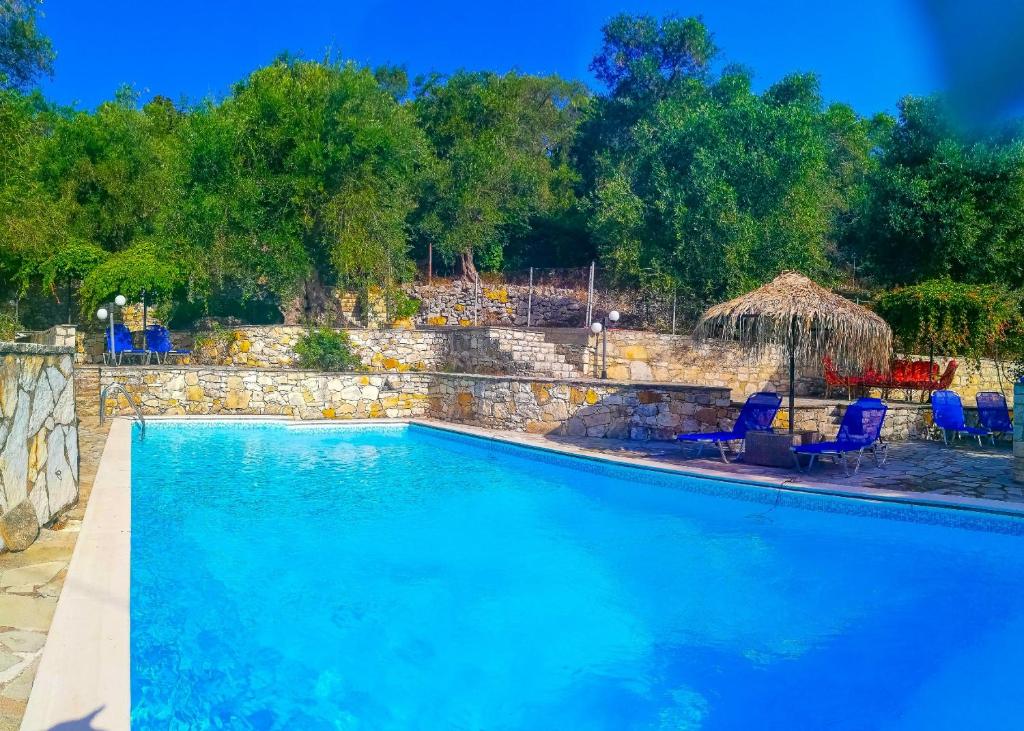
[508, 351]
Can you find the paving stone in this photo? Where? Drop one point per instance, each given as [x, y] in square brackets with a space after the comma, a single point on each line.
[30, 576]
[21, 641]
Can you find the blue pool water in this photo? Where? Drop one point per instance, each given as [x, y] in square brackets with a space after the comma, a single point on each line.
[401, 578]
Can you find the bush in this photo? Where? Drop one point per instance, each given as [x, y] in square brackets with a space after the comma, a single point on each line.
[8, 326]
[213, 346]
[324, 349]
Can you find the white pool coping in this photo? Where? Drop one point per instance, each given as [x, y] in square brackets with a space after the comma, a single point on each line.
[86, 663]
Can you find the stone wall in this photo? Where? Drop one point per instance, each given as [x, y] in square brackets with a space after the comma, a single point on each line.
[579, 407]
[645, 356]
[456, 302]
[38, 439]
[902, 421]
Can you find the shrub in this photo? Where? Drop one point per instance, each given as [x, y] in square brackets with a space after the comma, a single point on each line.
[8, 326]
[324, 349]
[213, 346]
[403, 306]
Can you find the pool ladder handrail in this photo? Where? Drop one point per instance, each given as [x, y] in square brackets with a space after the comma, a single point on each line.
[116, 386]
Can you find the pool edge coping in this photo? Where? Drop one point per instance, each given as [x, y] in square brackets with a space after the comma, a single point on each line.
[86, 661]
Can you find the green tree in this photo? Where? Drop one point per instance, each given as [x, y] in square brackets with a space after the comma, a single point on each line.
[25, 53]
[304, 177]
[714, 189]
[943, 202]
[502, 150]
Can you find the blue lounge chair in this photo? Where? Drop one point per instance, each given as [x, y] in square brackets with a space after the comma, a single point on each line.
[757, 414]
[948, 415]
[122, 346]
[859, 431]
[158, 341]
[993, 413]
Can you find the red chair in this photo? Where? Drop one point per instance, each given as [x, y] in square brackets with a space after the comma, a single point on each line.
[833, 379]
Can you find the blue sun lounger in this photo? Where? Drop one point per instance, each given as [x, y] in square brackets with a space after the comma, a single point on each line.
[948, 415]
[158, 340]
[757, 414]
[859, 431]
[122, 346]
[993, 413]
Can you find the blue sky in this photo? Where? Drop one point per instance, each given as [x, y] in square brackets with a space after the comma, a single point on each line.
[868, 53]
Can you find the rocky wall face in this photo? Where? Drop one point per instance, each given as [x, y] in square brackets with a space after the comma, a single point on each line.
[578, 408]
[457, 302]
[575, 408]
[38, 440]
[267, 392]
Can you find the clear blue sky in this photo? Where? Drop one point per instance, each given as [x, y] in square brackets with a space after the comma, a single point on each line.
[868, 53]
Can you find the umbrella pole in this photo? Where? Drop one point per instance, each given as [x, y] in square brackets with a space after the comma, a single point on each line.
[792, 388]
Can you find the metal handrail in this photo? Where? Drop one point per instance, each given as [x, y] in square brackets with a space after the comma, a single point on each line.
[131, 401]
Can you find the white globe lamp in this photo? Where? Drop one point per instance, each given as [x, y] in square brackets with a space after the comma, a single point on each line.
[595, 328]
[101, 313]
[613, 316]
[120, 300]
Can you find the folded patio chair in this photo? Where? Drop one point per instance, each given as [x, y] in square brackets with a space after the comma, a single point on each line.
[123, 345]
[859, 431]
[158, 341]
[948, 415]
[757, 414]
[993, 413]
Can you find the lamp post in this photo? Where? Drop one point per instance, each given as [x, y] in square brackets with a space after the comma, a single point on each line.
[600, 327]
[102, 314]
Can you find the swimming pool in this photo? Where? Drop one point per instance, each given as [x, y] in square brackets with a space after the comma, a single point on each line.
[401, 577]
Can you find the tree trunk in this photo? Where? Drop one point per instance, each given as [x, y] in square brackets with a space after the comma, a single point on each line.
[468, 267]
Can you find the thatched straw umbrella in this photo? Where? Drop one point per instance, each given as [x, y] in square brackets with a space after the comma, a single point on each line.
[806, 320]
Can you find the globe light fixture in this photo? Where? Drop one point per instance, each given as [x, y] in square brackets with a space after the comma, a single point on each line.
[120, 300]
[600, 328]
[102, 313]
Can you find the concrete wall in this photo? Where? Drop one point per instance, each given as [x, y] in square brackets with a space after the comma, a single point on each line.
[38, 439]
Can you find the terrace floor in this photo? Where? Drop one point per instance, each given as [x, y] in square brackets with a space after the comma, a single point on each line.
[923, 467]
[31, 581]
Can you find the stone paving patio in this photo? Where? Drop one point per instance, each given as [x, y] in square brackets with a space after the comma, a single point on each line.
[915, 467]
[31, 581]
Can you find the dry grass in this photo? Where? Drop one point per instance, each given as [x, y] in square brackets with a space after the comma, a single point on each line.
[793, 312]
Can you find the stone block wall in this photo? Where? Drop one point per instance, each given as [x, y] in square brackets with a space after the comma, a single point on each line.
[202, 391]
[578, 407]
[456, 302]
[38, 439]
[903, 421]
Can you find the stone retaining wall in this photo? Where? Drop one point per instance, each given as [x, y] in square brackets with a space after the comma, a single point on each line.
[456, 303]
[38, 439]
[583, 407]
[637, 355]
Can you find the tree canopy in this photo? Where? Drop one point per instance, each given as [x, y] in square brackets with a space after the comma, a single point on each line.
[679, 173]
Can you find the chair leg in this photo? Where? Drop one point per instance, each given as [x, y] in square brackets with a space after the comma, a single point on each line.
[700, 450]
[721, 450]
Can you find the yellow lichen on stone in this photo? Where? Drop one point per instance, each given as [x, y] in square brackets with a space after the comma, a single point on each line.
[391, 363]
[496, 295]
[244, 346]
[540, 391]
[329, 413]
[438, 320]
[460, 307]
[635, 352]
[591, 396]
[465, 322]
